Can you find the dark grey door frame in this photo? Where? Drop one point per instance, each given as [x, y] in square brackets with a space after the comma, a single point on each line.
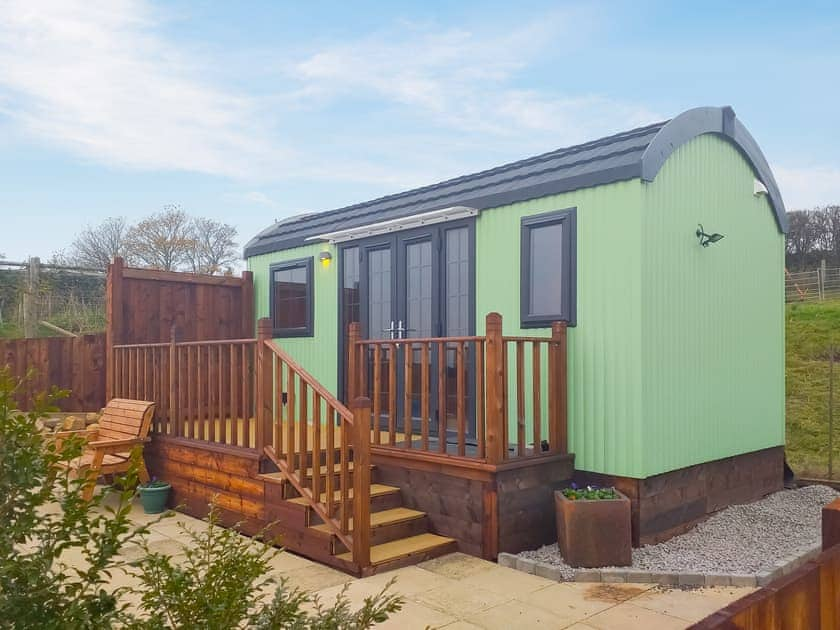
[397, 243]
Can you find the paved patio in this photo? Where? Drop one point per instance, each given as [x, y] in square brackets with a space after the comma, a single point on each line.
[459, 592]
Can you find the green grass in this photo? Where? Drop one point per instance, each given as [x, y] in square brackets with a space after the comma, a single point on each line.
[811, 329]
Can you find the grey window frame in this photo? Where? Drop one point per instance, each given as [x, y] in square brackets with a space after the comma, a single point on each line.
[308, 329]
[568, 218]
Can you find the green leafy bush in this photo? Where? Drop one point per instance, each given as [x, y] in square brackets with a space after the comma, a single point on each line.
[44, 521]
[59, 552]
[589, 493]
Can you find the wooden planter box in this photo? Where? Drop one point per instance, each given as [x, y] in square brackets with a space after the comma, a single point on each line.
[594, 533]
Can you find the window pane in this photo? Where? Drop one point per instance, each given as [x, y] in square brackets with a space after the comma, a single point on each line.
[379, 293]
[290, 298]
[546, 266]
[350, 287]
[419, 289]
[457, 282]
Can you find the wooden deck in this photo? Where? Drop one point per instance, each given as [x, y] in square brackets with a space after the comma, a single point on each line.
[240, 422]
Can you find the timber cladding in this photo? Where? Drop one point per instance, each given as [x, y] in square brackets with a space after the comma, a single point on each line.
[202, 472]
[807, 598]
[74, 363]
[488, 510]
[669, 504]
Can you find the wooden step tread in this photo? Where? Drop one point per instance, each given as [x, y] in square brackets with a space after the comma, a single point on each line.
[380, 519]
[376, 490]
[281, 478]
[380, 554]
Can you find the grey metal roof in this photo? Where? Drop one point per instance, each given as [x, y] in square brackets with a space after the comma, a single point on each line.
[638, 153]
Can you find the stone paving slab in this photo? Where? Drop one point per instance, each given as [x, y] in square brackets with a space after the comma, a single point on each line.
[461, 592]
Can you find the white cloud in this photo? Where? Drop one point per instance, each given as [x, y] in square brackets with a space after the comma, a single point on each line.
[807, 187]
[464, 80]
[97, 78]
[94, 77]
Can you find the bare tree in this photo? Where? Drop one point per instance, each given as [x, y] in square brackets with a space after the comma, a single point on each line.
[96, 245]
[213, 246]
[163, 240]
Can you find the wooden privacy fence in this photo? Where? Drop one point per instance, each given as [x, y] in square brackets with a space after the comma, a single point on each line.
[74, 363]
[143, 306]
[458, 395]
[204, 390]
[317, 442]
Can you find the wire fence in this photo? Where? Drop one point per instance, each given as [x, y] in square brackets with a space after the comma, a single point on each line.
[38, 299]
[816, 285]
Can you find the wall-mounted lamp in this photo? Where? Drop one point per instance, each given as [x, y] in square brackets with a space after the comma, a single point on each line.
[706, 239]
[326, 259]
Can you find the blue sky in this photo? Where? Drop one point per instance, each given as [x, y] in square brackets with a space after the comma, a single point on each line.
[248, 112]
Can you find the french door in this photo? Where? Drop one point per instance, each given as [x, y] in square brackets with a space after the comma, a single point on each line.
[418, 284]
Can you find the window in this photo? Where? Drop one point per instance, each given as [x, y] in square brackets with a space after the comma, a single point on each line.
[548, 269]
[291, 298]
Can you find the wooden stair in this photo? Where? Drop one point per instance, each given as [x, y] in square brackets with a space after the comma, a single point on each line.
[399, 535]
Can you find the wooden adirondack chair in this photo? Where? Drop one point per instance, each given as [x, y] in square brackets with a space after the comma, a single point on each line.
[123, 426]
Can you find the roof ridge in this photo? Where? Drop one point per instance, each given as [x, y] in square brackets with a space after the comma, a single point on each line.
[577, 148]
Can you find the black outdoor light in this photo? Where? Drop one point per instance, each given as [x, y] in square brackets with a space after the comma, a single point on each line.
[706, 239]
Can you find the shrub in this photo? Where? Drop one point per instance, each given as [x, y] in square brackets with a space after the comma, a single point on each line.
[220, 584]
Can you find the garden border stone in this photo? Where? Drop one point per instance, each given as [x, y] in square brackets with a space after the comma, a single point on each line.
[623, 574]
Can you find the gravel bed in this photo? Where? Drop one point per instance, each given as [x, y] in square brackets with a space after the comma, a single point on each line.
[741, 539]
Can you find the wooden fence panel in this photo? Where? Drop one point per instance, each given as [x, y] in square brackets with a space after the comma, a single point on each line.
[74, 363]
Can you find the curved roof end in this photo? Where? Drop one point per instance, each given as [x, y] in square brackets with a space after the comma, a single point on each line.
[721, 121]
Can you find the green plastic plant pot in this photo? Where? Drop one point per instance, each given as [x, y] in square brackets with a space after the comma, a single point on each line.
[154, 498]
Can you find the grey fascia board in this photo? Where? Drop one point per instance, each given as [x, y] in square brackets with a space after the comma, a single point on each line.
[723, 122]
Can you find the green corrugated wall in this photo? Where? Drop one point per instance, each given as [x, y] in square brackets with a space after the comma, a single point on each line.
[605, 386]
[678, 354]
[712, 318]
[319, 354]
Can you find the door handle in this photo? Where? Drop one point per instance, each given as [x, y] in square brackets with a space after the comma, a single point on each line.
[391, 330]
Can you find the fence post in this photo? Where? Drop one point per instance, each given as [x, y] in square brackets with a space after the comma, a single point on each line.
[113, 320]
[821, 280]
[264, 391]
[361, 481]
[247, 307]
[495, 385]
[558, 403]
[30, 298]
[354, 334]
[831, 412]
[174, 420]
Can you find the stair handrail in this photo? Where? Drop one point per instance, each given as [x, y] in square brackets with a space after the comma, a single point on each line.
[355, 436]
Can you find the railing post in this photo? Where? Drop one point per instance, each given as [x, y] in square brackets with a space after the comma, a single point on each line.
[354, 334]
[361, 481]
[174, 421]
[495, 386]
[264, 391]
[558, 403]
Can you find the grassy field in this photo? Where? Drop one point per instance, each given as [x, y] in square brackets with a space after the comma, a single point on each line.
[811, 331]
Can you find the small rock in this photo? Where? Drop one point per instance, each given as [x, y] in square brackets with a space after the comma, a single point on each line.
[73, 423]
[91, 418]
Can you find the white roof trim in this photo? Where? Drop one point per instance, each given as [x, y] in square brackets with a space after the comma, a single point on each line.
[396, 225]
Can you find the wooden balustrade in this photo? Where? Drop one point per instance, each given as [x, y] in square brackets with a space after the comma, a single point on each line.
[456, 395]
[204, 390]
[318, 443]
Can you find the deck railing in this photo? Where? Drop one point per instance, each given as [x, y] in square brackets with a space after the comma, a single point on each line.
[204, 390]
[317, 442]
[457, 395]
